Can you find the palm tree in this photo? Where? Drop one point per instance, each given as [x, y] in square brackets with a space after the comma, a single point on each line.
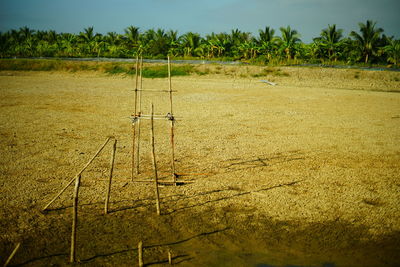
[190, 41]
[368, 39]
[266, 41]
[132, 36]
[393, 51]
[289, 40]
[330, 40]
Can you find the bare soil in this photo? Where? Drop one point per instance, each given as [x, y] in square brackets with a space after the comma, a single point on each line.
[305, 173]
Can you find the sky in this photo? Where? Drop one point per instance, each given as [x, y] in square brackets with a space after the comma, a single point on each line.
[308, 17]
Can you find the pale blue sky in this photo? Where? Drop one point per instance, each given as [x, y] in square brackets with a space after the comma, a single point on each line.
[308, 17]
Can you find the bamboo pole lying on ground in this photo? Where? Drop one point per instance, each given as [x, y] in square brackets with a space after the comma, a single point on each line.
[157, 90]
[79, 173]
[172, 124]
[74, 219]
[140, 253]
[114, 148]
[153, 155]
[12, 255]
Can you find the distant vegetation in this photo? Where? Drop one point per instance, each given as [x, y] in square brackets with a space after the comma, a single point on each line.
[368, 45]
[153, 71]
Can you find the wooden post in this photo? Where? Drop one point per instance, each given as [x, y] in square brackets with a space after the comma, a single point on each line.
[140, 254]
[136, 76]
[133, 146]
[134, 116]
[74, 219]
[114, 148]
[138, 123]
[79, 173]
[153, 155]
[169, 257]
[12, 255]
[172, 124]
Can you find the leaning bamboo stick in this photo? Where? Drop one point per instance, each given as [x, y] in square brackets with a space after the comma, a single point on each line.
[79, 173]
[114, 148]
[12, 255]
[140, 253]
[74, 219]
[153, 155]
[172, 124]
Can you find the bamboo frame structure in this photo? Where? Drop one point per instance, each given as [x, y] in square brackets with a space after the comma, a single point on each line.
[138, 116]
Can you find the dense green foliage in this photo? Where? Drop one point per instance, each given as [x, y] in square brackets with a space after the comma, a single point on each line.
[369, 45]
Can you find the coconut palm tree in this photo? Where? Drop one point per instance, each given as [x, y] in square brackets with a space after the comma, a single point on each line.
[330, 41]
[368, 39]
[288, 41]
[266, 42]
[392, 51]
[190, 42]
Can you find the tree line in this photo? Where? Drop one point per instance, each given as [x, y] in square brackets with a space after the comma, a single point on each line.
[367, 45]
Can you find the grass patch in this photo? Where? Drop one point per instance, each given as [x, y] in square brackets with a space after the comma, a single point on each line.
[111, 68]
[270, 72]
[162, 71]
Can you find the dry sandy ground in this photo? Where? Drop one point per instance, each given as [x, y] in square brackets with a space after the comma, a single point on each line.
[304, 173]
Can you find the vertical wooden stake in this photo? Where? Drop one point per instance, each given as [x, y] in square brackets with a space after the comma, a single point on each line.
[169, 257]
[114, 148]
[139, 113]
[134, 115]
[172, 124]
[153, 155]
[74, 219]
[140, 253]
[136, 76]
[12, 255]
[133, 146]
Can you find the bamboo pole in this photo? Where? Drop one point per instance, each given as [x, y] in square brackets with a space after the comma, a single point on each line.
[157, 90]
[12, 255]
[74, 219]
[134, 113]
[133, 148]
[136, 76]
[114, 148]
[172, 124]
[138, 123]
[79, 173]
[169, 257]
[140, 253]
[153, 155]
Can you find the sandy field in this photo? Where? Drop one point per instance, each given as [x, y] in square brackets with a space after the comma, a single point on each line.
[304, 173]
